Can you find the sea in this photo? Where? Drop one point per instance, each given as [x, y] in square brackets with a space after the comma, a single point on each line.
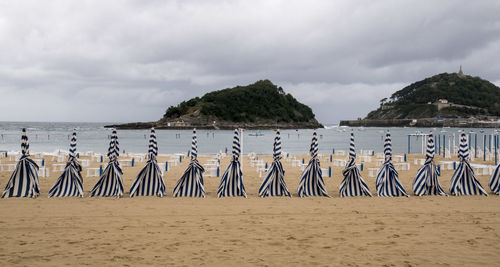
[53, 136]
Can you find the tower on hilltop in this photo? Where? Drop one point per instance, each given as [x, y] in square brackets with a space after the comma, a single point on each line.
[460, 72]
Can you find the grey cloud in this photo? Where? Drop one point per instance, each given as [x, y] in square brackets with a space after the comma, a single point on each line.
[150, 55]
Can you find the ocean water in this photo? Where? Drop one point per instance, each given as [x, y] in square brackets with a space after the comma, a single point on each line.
[52, 136]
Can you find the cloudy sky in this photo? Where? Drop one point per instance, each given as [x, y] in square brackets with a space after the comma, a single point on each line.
[120, 61]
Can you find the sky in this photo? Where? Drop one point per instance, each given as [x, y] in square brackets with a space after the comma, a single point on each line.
[125, 61]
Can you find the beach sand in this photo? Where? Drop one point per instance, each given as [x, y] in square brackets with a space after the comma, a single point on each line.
[237, 231]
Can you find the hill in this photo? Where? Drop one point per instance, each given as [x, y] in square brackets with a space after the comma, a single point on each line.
[261, 105]
[442, 96]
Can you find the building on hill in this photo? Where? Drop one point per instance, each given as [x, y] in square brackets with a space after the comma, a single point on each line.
[460, 72]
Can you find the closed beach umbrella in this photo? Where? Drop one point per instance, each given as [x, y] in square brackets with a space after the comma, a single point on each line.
[24, 180]
[191, 182]
[274, 184]
[70, 183]
[387, 182]
[426, 182]
[311, 182]
[353, 184]
[149, 181]
[110, 184]
[495, 181]
[463, 181]
[231, 183]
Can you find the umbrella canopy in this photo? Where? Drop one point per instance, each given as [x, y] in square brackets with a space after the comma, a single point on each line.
[353, 184]
[463, 181]
[311, 182]
[110, 184]
[24, 180]
[274, 183]
[426, 182]
[495, 181]
[231, 183]
[70, 183]
[387, 182]
[191, 182]
[149, 181]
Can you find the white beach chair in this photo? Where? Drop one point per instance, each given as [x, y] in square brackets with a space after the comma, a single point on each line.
[418, 162]
[85, 162]
[125, 162]
[447, 165]
[402, 166]
[58, 167]
[339, 162]
[372, 172]
[210, 172]
[340, 153]
[93, 172]
[365, 158]
[7, 167]
[43, 172]
[397, 158]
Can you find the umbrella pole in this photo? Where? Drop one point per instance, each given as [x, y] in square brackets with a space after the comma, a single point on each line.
[241, 148]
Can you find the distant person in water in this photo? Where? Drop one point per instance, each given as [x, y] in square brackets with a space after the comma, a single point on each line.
[226, 149]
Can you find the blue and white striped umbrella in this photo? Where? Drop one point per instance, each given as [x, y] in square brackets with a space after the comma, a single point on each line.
[463, 181]
[149, 181]
[274, 183]
[231, 183]
[426, 182]
[387, 182]
[110, 184]
[70, 183]
[311, 182]
[191, 182]
[495, 181]
[24, 180]
[353, 184]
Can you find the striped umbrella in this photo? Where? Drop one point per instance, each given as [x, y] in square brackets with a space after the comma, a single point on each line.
[191, 182]
[387, 182]
[353, 184]
[70, 183]
[311, 182]
[231, 183]
[110, 184]
[495, 181]
[274, 183]
[426, 182]
[149, 181]
[463, 181]
[24, 180]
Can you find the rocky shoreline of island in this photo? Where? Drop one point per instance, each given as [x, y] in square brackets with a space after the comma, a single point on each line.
[216, 126]
[427, 122]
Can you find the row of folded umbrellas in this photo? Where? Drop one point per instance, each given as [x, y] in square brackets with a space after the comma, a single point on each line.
[149, 182]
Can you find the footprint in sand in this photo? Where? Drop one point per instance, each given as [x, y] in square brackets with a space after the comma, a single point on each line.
[472, 242]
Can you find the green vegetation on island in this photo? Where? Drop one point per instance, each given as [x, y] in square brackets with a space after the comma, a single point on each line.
[258, 101]
[261, 105]
[444, 95]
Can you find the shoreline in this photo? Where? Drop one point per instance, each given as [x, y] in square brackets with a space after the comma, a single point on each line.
[219, 126]
[420, 123]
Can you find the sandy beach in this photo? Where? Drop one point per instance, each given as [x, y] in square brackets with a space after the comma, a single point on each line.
[257, 232]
